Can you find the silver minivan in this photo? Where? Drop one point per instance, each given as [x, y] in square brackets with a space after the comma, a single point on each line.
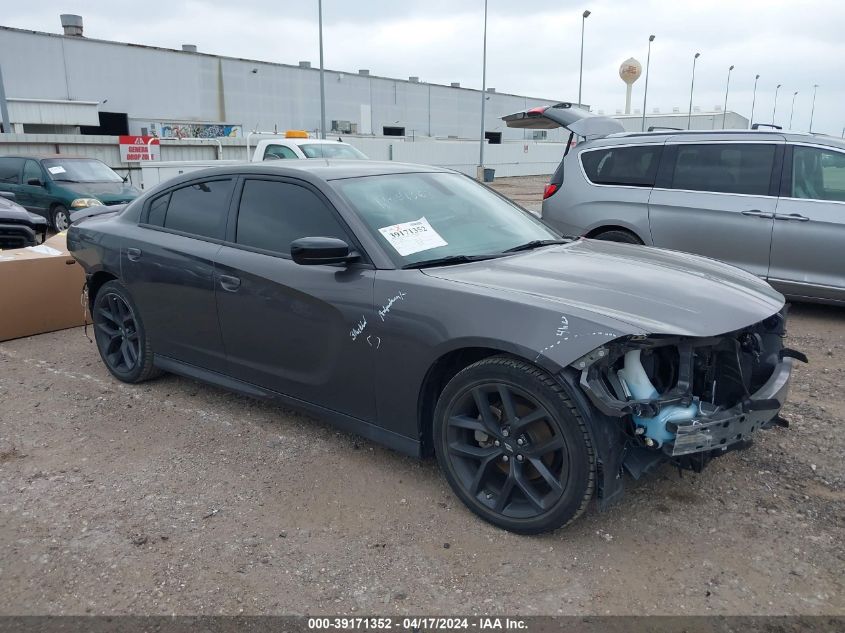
[770, 202]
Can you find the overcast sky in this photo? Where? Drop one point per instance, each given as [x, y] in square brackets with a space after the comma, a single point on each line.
[533, 46]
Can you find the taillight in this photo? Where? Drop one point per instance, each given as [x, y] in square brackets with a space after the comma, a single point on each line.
[537, 111]
[550, 190]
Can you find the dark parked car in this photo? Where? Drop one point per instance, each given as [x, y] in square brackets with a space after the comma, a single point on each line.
[54, 186]
[420, 309]
[18, 227]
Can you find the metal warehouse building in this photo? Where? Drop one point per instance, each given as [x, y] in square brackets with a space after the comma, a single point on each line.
[67, 83]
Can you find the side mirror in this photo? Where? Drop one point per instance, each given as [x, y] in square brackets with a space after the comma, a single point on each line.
[8, 195]
[310, 251]
[36, 182]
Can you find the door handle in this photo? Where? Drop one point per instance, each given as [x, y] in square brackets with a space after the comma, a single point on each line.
[792, 216]
[134, 254]
[229, 283]
[759, 214]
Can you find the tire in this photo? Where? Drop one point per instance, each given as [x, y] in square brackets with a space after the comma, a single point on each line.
[626, 237]
[60, 218]
[528, 465]
[121, 339]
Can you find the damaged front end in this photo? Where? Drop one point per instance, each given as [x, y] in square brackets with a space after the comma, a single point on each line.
[688, 399]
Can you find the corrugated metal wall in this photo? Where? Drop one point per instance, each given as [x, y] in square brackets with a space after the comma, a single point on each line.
[166, 86]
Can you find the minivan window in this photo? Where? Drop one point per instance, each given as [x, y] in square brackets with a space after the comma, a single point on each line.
[744, 168]
[80, 170]
[628, 166]
[272, 214]
[31, 171]
[818, 174]
[10, 170]
[199, 209]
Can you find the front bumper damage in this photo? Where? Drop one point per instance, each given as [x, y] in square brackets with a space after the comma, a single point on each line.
[686, 400]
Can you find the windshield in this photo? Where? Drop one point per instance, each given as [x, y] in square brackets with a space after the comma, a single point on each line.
[79, 170]
[420, 217]
[331, 150]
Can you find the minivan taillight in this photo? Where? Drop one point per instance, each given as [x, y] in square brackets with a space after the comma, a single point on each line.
[550, 190]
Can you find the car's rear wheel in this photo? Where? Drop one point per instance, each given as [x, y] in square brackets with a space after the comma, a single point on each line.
[618, 235]
[61, 218]
[513, 446]
[120, 335]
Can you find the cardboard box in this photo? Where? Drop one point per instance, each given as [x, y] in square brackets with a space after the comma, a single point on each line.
[40, 289]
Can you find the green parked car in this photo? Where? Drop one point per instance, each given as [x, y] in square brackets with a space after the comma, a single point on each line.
[56, 185]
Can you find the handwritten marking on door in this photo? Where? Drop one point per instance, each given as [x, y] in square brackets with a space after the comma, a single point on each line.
[386, 307]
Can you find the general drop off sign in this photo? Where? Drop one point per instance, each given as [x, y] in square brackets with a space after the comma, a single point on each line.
[139, 148]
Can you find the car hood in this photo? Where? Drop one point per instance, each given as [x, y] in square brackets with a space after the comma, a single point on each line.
[13, 212]
[106, 192]
[658, 291]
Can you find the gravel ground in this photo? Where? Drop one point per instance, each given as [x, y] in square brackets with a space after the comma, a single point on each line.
[177, 497]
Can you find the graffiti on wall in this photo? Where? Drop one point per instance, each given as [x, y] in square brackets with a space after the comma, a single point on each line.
[195, 130]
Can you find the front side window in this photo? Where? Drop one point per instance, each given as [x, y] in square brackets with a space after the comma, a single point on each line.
[744, 168]
[10, 170]
[627, 166]
[818, 174]
[80, 170]
[275, 152]
[31, 171]
[423, 216]
[272, 214]
[199, 209]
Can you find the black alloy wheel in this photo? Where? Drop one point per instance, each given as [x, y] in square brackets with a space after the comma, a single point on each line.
[513, 446]
[120, 335]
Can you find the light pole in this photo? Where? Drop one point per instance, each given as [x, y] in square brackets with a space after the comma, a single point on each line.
[813, 109]
[322, 79]
[727, 87]
[647, 64]
[480, 175]
[753, 101]
[792, 109]
[775, 107]
[691, 86]
[584, 17]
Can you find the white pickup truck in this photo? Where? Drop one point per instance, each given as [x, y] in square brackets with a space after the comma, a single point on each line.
[294, 145]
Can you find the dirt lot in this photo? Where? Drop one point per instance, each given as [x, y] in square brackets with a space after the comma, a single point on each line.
[176, 497]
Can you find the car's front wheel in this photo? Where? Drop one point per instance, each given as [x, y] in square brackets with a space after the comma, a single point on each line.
[120, 335]
[513, 446]
[61, 218]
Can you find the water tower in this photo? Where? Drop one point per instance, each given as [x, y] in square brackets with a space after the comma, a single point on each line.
[630, 71]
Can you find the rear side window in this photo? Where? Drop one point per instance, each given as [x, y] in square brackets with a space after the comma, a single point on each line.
[818, 174]
[10, 170]
[724, 168]
[273, 214]
[628, 166]
[199, 209]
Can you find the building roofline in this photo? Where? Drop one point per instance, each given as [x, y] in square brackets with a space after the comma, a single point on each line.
[259, 61]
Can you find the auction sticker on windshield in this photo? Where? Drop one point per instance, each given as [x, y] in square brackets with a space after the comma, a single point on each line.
[412, 237]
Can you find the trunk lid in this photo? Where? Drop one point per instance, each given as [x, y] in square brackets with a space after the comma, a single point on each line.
[565, 115]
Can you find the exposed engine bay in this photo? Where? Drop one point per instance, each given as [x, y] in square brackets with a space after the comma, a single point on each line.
[689, 399]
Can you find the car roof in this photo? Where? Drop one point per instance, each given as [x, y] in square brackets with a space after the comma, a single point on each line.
[49, 156]
[302, 141]
[661, 136]
[321, 168]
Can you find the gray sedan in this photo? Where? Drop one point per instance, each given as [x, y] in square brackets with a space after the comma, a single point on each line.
[420, 309]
